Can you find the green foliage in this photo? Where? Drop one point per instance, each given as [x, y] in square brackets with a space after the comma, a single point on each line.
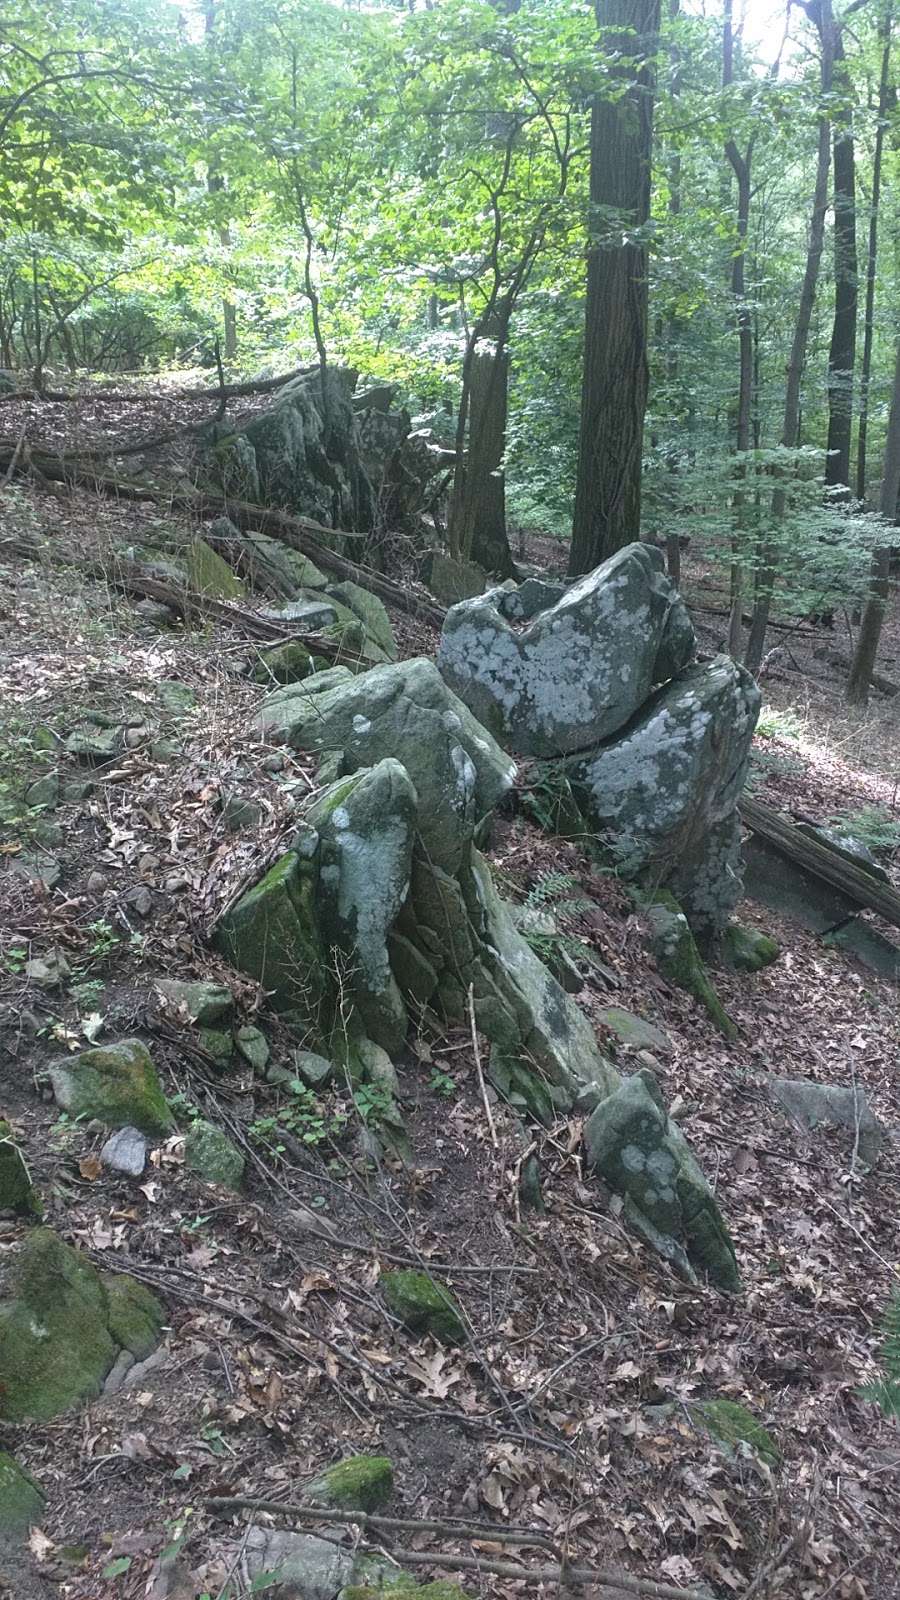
[874, 826]
[302, 1116]
[885, 1391]
[775, 724]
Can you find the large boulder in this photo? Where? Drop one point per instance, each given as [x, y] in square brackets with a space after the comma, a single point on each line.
[116, 1083]
[366, 825]
[640, 1153]
[665, 790]
[62, 1325]
[550, 680]
[404, 711]
[831, 1105]
[271, 932]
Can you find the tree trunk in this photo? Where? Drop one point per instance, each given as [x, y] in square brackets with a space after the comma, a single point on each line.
[740, 166]
[884, 34]
[614, 384]
[842, 350]
[790, 433]
[477, 520]
[879, 579]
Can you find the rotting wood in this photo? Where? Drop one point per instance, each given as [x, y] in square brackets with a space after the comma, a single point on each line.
[301, 533]
[868, 892]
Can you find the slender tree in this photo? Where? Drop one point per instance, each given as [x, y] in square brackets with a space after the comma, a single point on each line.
[615, 375]
[885, 26]
[879, 580]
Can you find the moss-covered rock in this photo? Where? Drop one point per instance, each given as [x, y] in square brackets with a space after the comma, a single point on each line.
[673, 946]
[634, 1032]
[423, 1305]
[209, 574]
[21, 1501]
[405, 1585]
[134, 1316]
[732, 1424]
[200, 1000]
[747, 950]
[211, 1154]
[361, 1483]
[62, 1329]
[16, 1191]
[253, 1045]
[117, 1084]
[272, 933]
[218, 1044]
[290, 662]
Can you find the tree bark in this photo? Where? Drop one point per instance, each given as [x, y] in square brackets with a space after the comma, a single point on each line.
[614, 385]
[884, 89]
[842, 350]
[879, 578]
[479, 521]
[740, 166]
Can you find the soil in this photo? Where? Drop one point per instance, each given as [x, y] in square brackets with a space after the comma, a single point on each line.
[279, 1355]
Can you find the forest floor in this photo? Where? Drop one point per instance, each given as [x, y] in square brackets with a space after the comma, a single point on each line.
[279, 1355]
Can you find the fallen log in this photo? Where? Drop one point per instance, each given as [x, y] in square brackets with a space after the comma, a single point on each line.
[227, 391]
[868, 892]
[301, 533]
[839, 658]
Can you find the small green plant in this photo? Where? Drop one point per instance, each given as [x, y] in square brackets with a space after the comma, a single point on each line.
[87, 993]
[441, 1083]
[302, 1116]
[549, 898]
[183, 1107]
[549, 801]
[775, 724]
[15, 958]
[874, 826]
[104, 940]
[374, 1103]
[885, 1391]
[772, 764]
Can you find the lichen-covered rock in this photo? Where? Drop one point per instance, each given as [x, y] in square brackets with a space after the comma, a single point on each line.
[404, 711]
[272, 934]
[732, 1425]
[665, 791]
[116, 1083]
[213, 1156]
[360, 1483]
[675, 950]
[125, 1151]
[831, 1105]
[63, 1326]
[366, 824]
[290, 662]
[635, 1033]
[575, 672]
[314, 1071]
[21, 1501]
[303, 1566]
[423, 1305]
[253, 1045]
[631, 1143]
[748, 950]
[197, 1000]
[16, 1190]
[209, 574]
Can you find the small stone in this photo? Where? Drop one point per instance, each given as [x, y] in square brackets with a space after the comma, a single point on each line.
[175, 697]
[38, 869]
[48, 972]
[76, 791]
[165, 750]
[531, 1195]
[151, 611]
[43, 791]
[312, 1070]
[634, 1032]
[21, 1501]
[218, 1044]
[16, 1191]
[732, 1424]
[201, 1001]
[211, 1154]
[125, 1151]
[423, 1305]
[831, 1105]
[95, 744]
[253, 1046]
[361, 1483]
[121, 1367]
[239, 814]
[747, 950]
[140, 900]
[96, 883]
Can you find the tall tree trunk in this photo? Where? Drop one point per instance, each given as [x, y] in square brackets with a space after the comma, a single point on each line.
[477, 525]
[673, 543]
[607, 511]
[790, 433]
[215, 184]
[879, 578]
[740, 166]
[884, 89]
[842, 350]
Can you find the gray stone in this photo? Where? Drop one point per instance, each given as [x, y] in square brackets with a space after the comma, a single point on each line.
[38, 868]
[253, 1045]
[577, 672]
[239, 813]
[451, 580]
[304, 1566]
[48, 972]
[674, 949]
[272, 933]
[16, 1191]
[846, 846]
[665, 792]
[212, 1155]
[125, 1151]
[404, 711]
[366, 824]
[830, 1105]
[313, 1070]
[634, 1032]
[858, 938]
[96, 744]
[43, 791]
[174, 697]
[308, 616]
[198, 1000]
[771, 880]
[116, 1083]
[631, 1143]
[21, 1501]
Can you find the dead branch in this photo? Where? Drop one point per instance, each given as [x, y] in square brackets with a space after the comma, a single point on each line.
[228, 391]
[820, 861]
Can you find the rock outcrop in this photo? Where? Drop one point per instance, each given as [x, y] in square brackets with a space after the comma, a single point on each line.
[651, 751]
[383, 908]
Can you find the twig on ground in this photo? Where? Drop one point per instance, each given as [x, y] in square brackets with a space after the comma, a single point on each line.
[478, 1069]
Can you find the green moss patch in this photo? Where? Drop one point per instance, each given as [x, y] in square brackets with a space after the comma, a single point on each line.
[732, 1424]
[116, 1083]
[361, 1483]
[21, 1501]
[423, 1305]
